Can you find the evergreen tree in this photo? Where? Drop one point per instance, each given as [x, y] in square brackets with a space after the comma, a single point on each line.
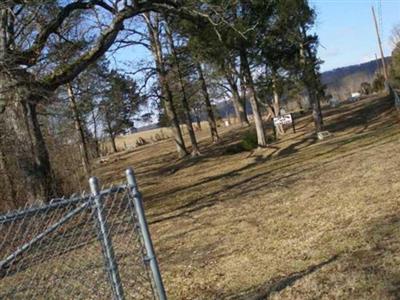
[121, 101]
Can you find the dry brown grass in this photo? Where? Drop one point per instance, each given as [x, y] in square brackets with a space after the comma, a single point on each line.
[124, 142]
[300, 220]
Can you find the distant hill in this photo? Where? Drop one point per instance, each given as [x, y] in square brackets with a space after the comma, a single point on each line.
[341, 82]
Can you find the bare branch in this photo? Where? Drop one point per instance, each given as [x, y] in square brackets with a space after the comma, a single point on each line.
[30, 56]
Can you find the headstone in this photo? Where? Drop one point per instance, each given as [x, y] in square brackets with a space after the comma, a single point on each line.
[323, 135]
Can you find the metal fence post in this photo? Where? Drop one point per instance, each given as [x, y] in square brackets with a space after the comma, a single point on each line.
[138, 204]
[105, 240]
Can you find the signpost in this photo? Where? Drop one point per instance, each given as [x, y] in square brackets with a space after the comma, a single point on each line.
[285, 119]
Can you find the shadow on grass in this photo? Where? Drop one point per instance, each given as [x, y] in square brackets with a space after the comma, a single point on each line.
[359, 114]
[256, 181]
[344, 118]
[280, 283]
[373, 267]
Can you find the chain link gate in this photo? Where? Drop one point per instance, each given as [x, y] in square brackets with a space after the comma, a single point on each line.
[94, 246]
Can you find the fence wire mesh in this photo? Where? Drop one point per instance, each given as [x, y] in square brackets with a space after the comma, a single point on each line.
[57, 250]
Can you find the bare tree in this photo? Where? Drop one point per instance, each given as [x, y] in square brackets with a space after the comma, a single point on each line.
[206, 96]
[80, 130]
[185, 102]
[29, 72]
[153, 26]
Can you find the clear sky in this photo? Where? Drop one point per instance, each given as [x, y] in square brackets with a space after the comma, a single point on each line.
[345, 29]
[347, 33]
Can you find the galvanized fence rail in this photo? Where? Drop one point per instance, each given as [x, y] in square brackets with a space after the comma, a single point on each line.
[95, 246]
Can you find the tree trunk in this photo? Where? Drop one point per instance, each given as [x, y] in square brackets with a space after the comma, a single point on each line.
[113, 144]
[79, 128]
[112, 136]
[236, 100]
[198, 120]
[185, 102]
[316, 106]
[173, 117]
[275, 94]
[3, 56]
[166, 91]
[276, 107]
[189, 123]
[311, 81]
[210, 113]
[316, 111]
[30, 150]
[18, 108]
[243, 89]
[4, 161]
[96, 139]
[9, 181]
[261, 138]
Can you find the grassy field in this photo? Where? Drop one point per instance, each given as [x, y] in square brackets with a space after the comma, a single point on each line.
[125, 142]
[302, 219]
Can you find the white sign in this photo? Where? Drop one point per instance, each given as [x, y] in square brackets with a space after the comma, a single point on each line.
[283, 120]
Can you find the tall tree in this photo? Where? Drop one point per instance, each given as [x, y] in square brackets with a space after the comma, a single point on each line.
[121, 101]
[79, 126]
[250, 88]
[194, 51]
[29, 74]
[207, 101]
[300, 18]
[311, 77]
[153, 27]
[244, 20]
[184, 98]
[395, 65]
[207, 46]
[238, 98]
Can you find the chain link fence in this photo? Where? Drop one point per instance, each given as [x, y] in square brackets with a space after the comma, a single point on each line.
[93, 246]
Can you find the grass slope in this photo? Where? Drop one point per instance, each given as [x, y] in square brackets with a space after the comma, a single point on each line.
[302, 219]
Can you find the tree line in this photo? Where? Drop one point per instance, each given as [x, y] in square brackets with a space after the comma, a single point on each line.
[59, 93]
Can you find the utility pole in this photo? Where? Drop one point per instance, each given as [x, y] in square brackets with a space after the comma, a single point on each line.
[385, 73]
[378, 66]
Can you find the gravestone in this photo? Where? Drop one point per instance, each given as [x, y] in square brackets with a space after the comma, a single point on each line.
[322, 135]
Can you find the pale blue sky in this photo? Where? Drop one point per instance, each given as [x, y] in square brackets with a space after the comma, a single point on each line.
[346, 30]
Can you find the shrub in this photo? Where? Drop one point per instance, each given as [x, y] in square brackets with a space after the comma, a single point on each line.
[234, 149]
[249, 141]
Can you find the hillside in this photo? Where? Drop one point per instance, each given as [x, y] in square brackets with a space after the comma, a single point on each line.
[341, 82]
[301, 219]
